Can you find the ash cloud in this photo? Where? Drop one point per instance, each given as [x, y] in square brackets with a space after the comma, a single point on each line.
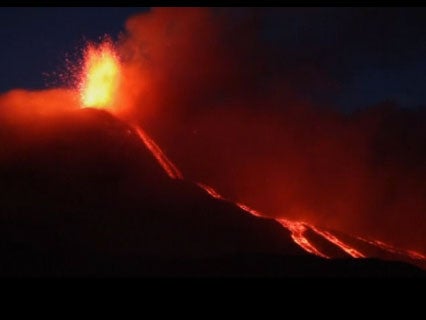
[254, 119]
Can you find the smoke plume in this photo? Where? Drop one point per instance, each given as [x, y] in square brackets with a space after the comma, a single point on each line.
[246, 116]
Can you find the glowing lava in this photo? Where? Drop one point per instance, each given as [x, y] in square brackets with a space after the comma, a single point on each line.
[387, 247]
[168, 166]
[298, 230]
[212, 192]
[100, 76]
[99, 89]
[333, 239]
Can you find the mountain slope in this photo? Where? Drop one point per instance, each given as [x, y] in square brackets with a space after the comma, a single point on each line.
[81, 195]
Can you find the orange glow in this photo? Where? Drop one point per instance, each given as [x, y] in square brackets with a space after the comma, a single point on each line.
[250, 210]
[298, 230]
[168, 166]
[333, 239]
[101, 76]
[99, 89]
[387, 247]
[20, 103]
[212, 192]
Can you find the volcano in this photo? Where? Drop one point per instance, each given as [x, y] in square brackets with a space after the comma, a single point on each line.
[84, 195]
[86, 191]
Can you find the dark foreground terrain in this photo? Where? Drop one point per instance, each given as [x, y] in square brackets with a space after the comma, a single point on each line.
[82, 196]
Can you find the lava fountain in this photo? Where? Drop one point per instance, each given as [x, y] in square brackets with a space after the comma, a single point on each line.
[99, 86]
[101, 76]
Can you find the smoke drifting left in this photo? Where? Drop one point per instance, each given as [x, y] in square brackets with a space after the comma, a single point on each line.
[232, 111]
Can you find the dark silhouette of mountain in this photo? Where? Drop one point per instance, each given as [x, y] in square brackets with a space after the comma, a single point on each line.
[82, 196]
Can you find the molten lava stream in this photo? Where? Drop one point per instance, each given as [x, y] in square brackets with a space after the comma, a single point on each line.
[212, 192]
[100, 81]
[333, 239]
[387, 247]
[168, 166]
[298, 230]
[99, 85]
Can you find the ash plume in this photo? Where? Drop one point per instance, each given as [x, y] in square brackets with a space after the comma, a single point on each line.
[246, 116]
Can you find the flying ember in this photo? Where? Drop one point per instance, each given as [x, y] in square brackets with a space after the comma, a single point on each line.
[100, 76]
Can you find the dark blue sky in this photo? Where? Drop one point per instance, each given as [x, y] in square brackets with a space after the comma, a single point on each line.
[37, 40]
[372, 54]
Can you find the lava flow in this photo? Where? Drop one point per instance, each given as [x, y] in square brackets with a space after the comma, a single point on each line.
[168, 166]
[98, 89]
[333, 239]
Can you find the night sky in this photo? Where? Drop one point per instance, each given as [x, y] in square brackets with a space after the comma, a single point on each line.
[368, 55]
[36, 41]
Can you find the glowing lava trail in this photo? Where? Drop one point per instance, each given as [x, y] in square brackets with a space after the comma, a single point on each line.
[387, 247]
[98, 89]
[168, 166]
[298, 230]
[333, 239]
[99, 85]
[212, 192]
